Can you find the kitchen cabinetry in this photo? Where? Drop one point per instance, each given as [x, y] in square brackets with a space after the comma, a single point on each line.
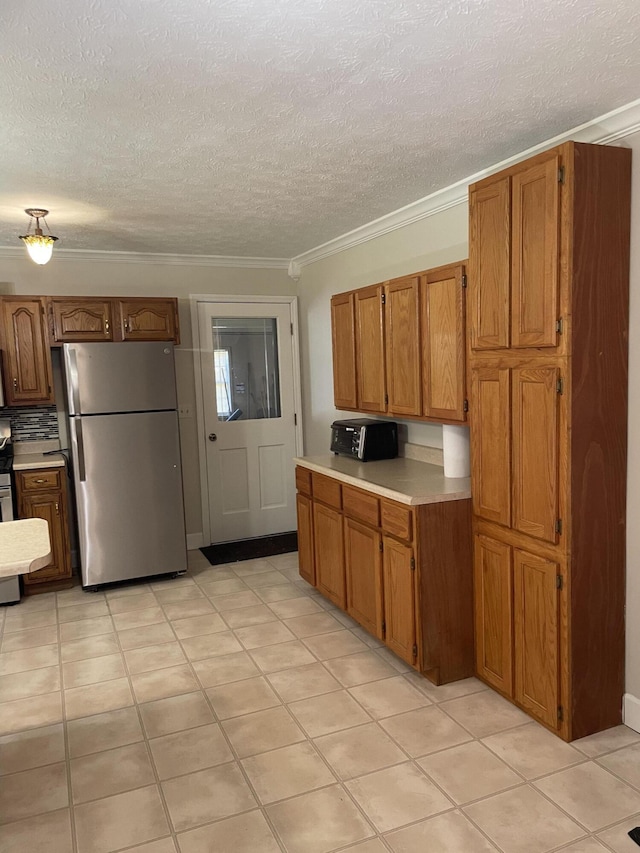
[42, 493]
[398, 347]
[402, 572]
[87, 318]
[142, 319]
[548, 327]
[83, 319]
[27, 360]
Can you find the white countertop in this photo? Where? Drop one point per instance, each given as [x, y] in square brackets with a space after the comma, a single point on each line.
[24, 546]
[27, 461]
[404, 480]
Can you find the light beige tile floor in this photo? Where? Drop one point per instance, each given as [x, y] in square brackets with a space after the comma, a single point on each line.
[235, 710]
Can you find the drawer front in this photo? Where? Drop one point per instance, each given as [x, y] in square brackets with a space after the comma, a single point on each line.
[361, 505]
[397, 520]
[303, 480]
[327, 490]
[37, 481]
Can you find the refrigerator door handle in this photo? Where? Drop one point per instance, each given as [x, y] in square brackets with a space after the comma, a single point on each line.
[74, 391]
[82, 476]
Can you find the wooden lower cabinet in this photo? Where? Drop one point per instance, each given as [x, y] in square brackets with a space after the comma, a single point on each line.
[398, 567]
[42, 493]
[402, 572]
[493, 594]
[363, 569]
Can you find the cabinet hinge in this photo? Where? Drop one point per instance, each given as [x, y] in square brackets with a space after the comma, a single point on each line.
[386, 399]
[560, 385]
[559, 581]
[413, 564]
[560, 713]
[561, 175]
[380, 546]
[383, 298]
[559, 325]
[291, 327]
[465, 406]
[295, 419]
[414, 651]
[464, 279]
[559, 525]
[384, 628]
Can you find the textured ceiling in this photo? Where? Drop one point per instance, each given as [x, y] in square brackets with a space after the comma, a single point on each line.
[267, 127]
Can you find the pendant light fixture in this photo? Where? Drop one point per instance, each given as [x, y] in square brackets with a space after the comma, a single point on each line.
[39, 245]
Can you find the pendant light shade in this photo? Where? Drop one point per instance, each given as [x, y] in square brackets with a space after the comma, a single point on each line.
[39, 245]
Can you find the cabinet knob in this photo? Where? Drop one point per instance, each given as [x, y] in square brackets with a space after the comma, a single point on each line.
[107, 326]
[15, 384]
[126, 325]
[57, 508]
[41, 481]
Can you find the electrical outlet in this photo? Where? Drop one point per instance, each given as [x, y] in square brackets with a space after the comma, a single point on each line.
[185, 412]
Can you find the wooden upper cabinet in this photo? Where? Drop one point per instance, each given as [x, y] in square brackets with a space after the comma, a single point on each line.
[343, 332]
[400, 599]
[83, 319]
[536, 635]
[491, 444]
[370, 355]
[143, 319]
[402, 336]
[442, 317]
[27, 367]
[535, 258]
[493, 596]
[536, 451]
[490, 265]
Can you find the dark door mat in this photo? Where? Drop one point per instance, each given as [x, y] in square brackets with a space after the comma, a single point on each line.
[249, 549]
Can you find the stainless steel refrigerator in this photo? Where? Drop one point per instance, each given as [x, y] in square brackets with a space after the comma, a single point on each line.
[125, 452]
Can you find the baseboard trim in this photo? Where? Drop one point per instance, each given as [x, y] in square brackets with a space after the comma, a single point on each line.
[194, 540]
[631, 711]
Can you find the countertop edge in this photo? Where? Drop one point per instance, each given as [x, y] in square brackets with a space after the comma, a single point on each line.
[32, 461]
[382, 491]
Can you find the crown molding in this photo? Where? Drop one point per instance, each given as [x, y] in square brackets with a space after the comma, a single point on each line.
[14, 252]
[605, 129]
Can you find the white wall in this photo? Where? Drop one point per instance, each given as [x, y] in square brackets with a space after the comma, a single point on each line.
[439, 239]
[100, 278]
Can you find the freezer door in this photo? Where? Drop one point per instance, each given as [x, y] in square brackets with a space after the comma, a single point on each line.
[125, 377]
[128, 486]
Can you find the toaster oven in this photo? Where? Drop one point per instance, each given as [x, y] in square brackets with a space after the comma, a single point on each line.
[365, 439]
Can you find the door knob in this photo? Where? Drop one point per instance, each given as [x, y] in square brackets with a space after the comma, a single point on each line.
[213, 436]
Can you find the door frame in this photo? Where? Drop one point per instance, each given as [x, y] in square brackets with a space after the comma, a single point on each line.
[195, 301]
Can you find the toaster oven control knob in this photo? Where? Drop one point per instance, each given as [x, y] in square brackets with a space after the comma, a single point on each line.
[213, 436]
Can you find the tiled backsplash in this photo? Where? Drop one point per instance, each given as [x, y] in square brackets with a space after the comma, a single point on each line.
[36, 424]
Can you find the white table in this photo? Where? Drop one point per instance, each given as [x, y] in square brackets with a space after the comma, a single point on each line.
[25, 546]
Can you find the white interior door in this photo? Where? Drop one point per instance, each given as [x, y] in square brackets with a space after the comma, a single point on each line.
[247, 370]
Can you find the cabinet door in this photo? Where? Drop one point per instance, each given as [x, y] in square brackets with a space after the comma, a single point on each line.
[443, 358]
[493, 596]
[148, 319]
[489, 265]
[535, 609]
[52, 507]
[81, 320]
[490, 422]
[363, 567]
[535, 260]
[329, 553]
[400, 599]
[535, 451]
[403, 346]
[305, 539]
[372, 390]
[343, 334]
[28, 360]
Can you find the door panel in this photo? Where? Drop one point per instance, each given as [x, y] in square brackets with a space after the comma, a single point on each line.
[363, 568]
[399, 600]
[27, 367]
[246, 358]
[536, 635]
[489, 265]
[81, 319]
[535, 451]
[494, 612]
[443, 335]
[305, 539]
[343, 331]
[535, 256]
[148, 319]
[491, 444]
[370, 357]
[329, 553]
[402, 344]
[52, 507]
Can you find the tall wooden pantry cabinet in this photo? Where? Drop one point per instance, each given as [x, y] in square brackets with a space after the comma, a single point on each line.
[547, 346]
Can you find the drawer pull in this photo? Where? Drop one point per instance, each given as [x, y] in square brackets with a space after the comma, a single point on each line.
[40, 480]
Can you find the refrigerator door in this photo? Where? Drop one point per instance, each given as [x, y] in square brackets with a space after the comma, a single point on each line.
[125, 377]
[128, 485]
